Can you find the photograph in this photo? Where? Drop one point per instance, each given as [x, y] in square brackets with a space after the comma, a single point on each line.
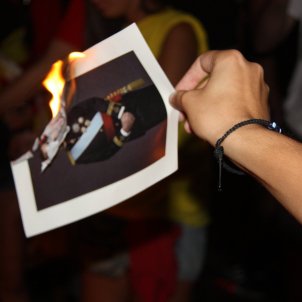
[120, 138]
[95, 153]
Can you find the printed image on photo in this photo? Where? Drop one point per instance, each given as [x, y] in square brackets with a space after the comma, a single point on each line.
[117, 124]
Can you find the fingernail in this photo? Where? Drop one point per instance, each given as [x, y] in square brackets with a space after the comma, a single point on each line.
[171, 97]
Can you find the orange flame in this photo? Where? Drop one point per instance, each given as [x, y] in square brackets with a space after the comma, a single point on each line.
[55, 82]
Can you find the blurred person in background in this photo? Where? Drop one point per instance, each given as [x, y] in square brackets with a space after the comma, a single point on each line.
[274, 23]
[176, 204]
[276, 36]
[32, 42]
[77, 25]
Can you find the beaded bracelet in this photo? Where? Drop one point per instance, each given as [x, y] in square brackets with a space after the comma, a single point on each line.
[219, 152]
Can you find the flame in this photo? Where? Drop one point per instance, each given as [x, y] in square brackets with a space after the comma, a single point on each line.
[75, 55]
[55, 82]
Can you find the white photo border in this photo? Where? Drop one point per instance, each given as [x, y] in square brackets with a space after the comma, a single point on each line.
[36, 222]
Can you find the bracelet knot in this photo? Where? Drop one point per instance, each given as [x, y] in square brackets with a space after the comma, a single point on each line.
[219, 151]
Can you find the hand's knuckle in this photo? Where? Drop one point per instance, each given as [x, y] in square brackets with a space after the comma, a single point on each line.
[235, 55]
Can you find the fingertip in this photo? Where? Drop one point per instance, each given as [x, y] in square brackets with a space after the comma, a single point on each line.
[187, 127]
[181, 117]
[176, 100]
[172, 97]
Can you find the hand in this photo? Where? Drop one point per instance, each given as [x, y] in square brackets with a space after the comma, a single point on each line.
[127, 121]
[234, 90]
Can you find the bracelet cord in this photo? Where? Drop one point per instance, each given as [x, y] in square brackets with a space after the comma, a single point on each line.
[219, 151]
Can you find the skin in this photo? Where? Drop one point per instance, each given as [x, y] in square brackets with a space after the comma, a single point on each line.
[235, 91]
[28, 84]
[127, 121]
[112, 9]
[172, 51]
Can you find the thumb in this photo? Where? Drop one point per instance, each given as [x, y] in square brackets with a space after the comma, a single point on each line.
[176, 100]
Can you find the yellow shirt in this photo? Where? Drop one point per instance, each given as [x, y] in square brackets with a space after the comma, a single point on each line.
[156, 27]
[183, 206]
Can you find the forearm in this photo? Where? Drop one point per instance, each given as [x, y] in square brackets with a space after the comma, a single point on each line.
[30, 82]
[23, 89]
[172, 51]
[272, 158]
[236, 92]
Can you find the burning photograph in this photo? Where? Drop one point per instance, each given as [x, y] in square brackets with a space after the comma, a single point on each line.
[100, 133]
[112, 135]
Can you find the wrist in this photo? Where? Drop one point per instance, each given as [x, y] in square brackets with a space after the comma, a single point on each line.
[220, 128]
[240, 139]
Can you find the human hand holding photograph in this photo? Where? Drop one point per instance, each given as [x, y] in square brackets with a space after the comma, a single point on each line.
[114, 136]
